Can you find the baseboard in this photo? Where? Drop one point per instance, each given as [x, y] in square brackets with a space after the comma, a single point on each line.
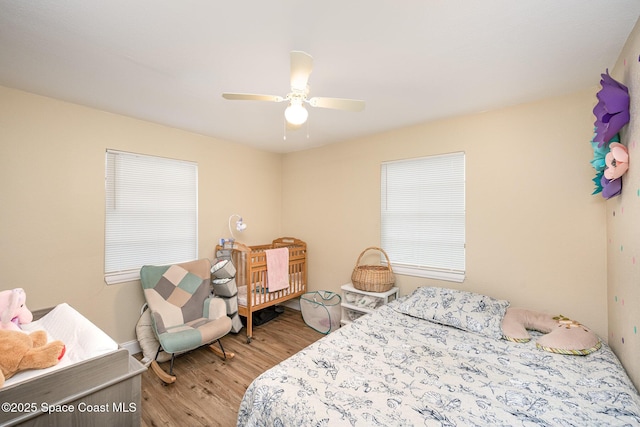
[292, 303]
[133, 347]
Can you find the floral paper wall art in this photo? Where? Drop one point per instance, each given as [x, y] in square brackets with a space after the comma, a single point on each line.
[610, 158]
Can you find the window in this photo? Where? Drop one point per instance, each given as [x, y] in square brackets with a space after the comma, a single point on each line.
[151, 213]
[423, 216]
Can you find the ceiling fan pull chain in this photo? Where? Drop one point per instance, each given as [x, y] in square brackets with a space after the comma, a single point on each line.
[284, 123]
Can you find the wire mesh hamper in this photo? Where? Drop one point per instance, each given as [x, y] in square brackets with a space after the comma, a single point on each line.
[321, 310]
[373, 278]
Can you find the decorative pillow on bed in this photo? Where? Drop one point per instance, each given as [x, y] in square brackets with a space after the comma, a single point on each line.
[563, 335]
[468, 311]
[569, 337]
[517, 320]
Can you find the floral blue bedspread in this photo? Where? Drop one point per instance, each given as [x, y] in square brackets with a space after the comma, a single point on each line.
[391, 369]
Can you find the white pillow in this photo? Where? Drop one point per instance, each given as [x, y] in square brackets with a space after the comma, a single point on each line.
[464, 310]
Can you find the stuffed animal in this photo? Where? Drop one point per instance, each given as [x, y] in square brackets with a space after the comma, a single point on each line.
[20, 351]
[13, 309]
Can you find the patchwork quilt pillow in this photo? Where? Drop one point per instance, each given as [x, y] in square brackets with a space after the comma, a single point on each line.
[175, 292]
[464, 310]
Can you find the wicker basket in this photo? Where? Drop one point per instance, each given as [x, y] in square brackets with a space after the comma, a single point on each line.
[373, 278]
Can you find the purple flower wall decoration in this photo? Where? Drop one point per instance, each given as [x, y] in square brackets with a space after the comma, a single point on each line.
[610, 188]
[612, 110]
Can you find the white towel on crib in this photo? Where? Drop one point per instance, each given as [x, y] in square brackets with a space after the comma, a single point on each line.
[277, 269]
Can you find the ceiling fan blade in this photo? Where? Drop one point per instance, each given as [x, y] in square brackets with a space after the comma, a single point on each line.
[337, 103]
[301, 67]
[252, 97]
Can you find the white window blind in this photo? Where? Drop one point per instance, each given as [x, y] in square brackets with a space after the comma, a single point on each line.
[423, 216]
[151, 213]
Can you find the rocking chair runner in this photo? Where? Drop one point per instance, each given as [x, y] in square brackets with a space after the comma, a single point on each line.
[184, 314]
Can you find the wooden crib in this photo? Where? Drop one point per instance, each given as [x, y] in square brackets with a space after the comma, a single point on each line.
[251, 266]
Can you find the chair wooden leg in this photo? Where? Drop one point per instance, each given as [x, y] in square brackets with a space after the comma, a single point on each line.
[166, 378]
[221, 352]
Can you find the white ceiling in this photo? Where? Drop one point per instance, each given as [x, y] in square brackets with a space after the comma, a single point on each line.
[168, 61]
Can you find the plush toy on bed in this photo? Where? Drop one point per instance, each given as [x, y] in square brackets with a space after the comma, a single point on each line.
[13, 309]
[20, 351]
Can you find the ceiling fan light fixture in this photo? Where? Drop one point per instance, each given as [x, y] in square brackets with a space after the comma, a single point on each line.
[295, 113]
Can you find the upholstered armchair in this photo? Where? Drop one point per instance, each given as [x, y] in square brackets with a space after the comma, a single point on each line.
[184, 314]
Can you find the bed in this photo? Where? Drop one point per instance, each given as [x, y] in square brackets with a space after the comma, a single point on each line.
[251, 276]
[404, 366]
[95, 383]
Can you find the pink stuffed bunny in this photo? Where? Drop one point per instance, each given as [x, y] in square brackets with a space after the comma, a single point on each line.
[13, 309]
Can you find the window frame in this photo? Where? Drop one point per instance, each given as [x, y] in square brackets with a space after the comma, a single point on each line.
[147, 185]
[455, 271]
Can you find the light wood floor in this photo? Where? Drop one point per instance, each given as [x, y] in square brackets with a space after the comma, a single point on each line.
[208, 390]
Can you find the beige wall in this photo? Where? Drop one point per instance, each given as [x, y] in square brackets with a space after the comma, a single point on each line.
[623, 227]
[535, 235]
[52, 158]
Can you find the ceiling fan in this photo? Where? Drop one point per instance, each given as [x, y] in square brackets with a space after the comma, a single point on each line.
[296, 114]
